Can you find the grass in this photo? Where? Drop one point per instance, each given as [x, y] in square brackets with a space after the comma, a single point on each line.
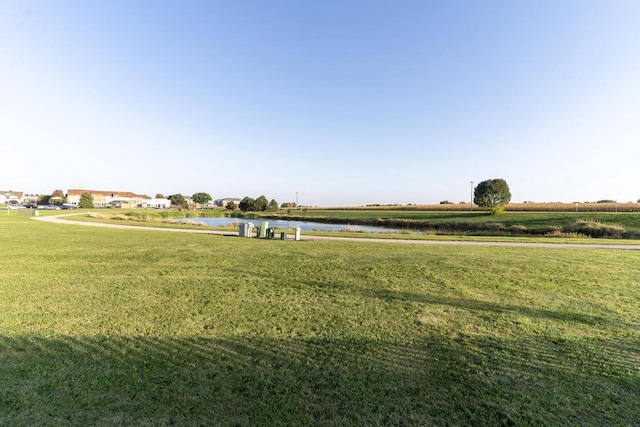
[566, 225]
[104, 327]
[531, 220]
[159, 222]
[623, 224]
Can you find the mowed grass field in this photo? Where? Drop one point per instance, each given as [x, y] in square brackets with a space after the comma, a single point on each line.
[138, 327]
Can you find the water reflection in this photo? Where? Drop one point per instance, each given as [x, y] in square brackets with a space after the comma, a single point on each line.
[304, 225]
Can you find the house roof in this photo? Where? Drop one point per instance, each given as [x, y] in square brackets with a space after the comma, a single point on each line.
[78, 192]
[17, 194]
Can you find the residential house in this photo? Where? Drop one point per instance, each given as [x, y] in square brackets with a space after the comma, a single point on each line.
[11, 197]
[103, 199]
[156, 203]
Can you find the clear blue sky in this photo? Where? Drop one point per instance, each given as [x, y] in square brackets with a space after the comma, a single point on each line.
[344, 102]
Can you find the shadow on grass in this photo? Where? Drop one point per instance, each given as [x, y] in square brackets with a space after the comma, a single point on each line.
[241, 380]
[485, 306]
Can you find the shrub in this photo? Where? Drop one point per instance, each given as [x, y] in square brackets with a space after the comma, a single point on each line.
[517, 229]
[556, 232]
[497, 210]
[594, 229]
[86, 201]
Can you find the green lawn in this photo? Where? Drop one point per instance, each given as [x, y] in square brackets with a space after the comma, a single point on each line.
[531, 220]
[113, 327]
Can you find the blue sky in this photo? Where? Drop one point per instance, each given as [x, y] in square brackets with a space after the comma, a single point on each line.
[343, 102]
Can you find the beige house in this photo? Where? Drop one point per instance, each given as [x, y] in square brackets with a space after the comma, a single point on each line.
[103, 199]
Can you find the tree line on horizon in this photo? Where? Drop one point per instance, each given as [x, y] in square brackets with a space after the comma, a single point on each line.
[492, 195]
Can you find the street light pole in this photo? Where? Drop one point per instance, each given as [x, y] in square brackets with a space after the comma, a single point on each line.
[296, 199]
[471, 199]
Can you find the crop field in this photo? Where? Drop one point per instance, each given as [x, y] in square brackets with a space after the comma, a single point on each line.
[131, 327]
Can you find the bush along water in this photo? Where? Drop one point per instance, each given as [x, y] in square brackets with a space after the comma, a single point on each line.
[575, 229]
[597, 229]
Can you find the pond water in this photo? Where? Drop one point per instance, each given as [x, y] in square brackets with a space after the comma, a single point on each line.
[304, 225]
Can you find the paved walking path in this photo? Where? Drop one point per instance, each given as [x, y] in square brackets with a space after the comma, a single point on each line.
[63, 219]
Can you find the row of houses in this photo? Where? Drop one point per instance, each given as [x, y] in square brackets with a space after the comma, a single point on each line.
[104, 199]
[116, 199]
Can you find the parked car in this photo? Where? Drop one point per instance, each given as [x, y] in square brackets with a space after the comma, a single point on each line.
[69, 206]
[31, 205]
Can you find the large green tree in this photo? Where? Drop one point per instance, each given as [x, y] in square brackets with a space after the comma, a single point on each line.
[273, 205]
[177, 200]
[201, 198]
[247, 204]
[492, 194]
[261, 204]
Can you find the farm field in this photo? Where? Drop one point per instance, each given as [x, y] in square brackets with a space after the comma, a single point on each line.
[104, 327]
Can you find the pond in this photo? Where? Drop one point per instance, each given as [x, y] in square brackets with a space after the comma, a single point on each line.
[304, 225]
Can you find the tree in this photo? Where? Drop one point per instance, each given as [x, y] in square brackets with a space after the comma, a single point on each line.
[273, 205]
[492, 194]
[159, 196]
[231, 205]
[177, 199]
[58, 196]
[201, 198]
[261, 204]
[247, 204]
[86, 201]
